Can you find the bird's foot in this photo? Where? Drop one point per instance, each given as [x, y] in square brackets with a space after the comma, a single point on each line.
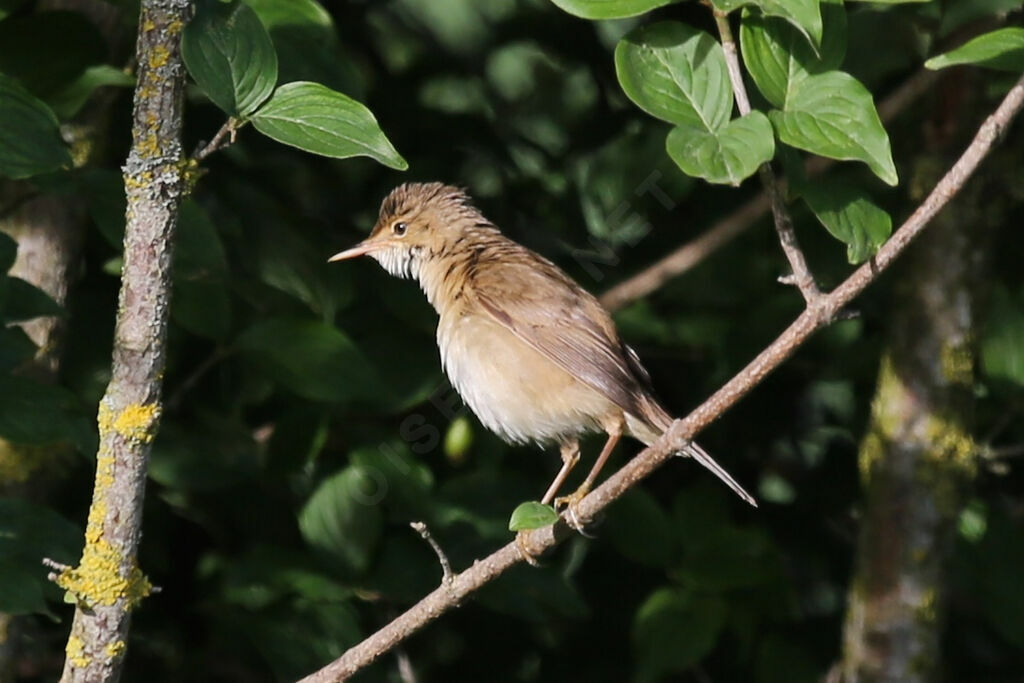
[524, 550]
[569, 504]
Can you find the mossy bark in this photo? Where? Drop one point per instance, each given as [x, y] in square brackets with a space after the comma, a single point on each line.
[918, 458]
[107, 584]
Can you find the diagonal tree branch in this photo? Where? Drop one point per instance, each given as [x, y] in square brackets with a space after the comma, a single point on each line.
[801, 276]
[721, 233]
[108, 584]
[813, 318]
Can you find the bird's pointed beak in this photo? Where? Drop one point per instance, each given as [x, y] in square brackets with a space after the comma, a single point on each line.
[361, 249]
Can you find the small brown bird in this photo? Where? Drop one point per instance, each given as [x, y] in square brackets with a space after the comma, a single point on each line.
[532, 353]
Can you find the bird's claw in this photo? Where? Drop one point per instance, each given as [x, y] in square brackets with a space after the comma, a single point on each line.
[524, 552]
[569, 504]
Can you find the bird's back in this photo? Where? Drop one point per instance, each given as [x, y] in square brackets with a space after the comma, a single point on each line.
[517, 335]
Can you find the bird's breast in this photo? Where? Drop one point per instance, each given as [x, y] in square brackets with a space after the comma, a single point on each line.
[514, 390]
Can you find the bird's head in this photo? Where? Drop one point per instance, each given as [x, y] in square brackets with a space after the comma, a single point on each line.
[417, 222]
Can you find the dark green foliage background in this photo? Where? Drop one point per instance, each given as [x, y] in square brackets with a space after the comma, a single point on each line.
[307, 420]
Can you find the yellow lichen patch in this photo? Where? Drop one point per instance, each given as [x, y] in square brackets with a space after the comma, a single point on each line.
[191, 173]
[887, 408]
[115, 649]
[953, 445]
[136, 422]
[97, 580]
[16, 463]
[957, 364]
[175, 27]
[97, 515]
[159, 57]
[872, 450]
[81, 150]
[148, 25]
[75, 651]
[926, 608]
[148, 146]
[142, 180]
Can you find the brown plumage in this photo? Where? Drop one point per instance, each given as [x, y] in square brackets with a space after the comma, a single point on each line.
[533, 354]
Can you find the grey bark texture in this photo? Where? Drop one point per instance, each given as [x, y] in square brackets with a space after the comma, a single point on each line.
[107, 584]
[919, 458]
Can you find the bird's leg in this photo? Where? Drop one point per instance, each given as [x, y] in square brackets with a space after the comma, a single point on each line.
[570, 451]
[614, 429]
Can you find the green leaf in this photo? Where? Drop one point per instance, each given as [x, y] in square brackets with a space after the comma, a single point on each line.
[850, 216]
[404, 482]
[802, 15]
[203, 307]
[609, 9]
[30, 141]
[8, 252]
[34, 413]
[198, 250]
[307, 45]
[201, 302]
[21, 591]
[343, 519]
[957, 14]
[832, 114]
[28, 533]
[674, 629]
[15, 348]
[229, 54]
[532, 515]
[26, 301]
[675, 73]
[8, 6]
[70, 99]
[1002, 49]
[640, 529]
[317, 119]
[311, 358]
[1002, 344]
[778, 57]
[727, 155]
[72, 43]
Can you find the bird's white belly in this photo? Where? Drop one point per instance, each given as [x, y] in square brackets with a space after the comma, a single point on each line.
[515, 391]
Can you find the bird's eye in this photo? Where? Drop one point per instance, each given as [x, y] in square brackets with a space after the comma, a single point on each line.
[399, 228]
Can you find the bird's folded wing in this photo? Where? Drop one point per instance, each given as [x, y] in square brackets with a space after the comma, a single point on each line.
[543, 307]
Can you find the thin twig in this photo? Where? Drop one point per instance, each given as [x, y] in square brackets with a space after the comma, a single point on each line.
[1012, 451]
[802, 276]
[483, 571]
[174, 400]
[446, 567]
[685, 257]
[224, 137]
[406, 673]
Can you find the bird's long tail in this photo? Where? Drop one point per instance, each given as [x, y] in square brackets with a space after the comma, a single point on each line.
[653, 424]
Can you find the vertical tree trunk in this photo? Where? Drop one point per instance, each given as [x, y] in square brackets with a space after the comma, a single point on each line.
[49, 230]
[107, 584]
[918, 458]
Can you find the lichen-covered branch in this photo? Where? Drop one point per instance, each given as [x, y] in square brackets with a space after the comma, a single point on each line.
[812, 319]
[107, 583]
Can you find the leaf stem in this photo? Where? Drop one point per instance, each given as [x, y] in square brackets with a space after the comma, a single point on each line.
[801, 276]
